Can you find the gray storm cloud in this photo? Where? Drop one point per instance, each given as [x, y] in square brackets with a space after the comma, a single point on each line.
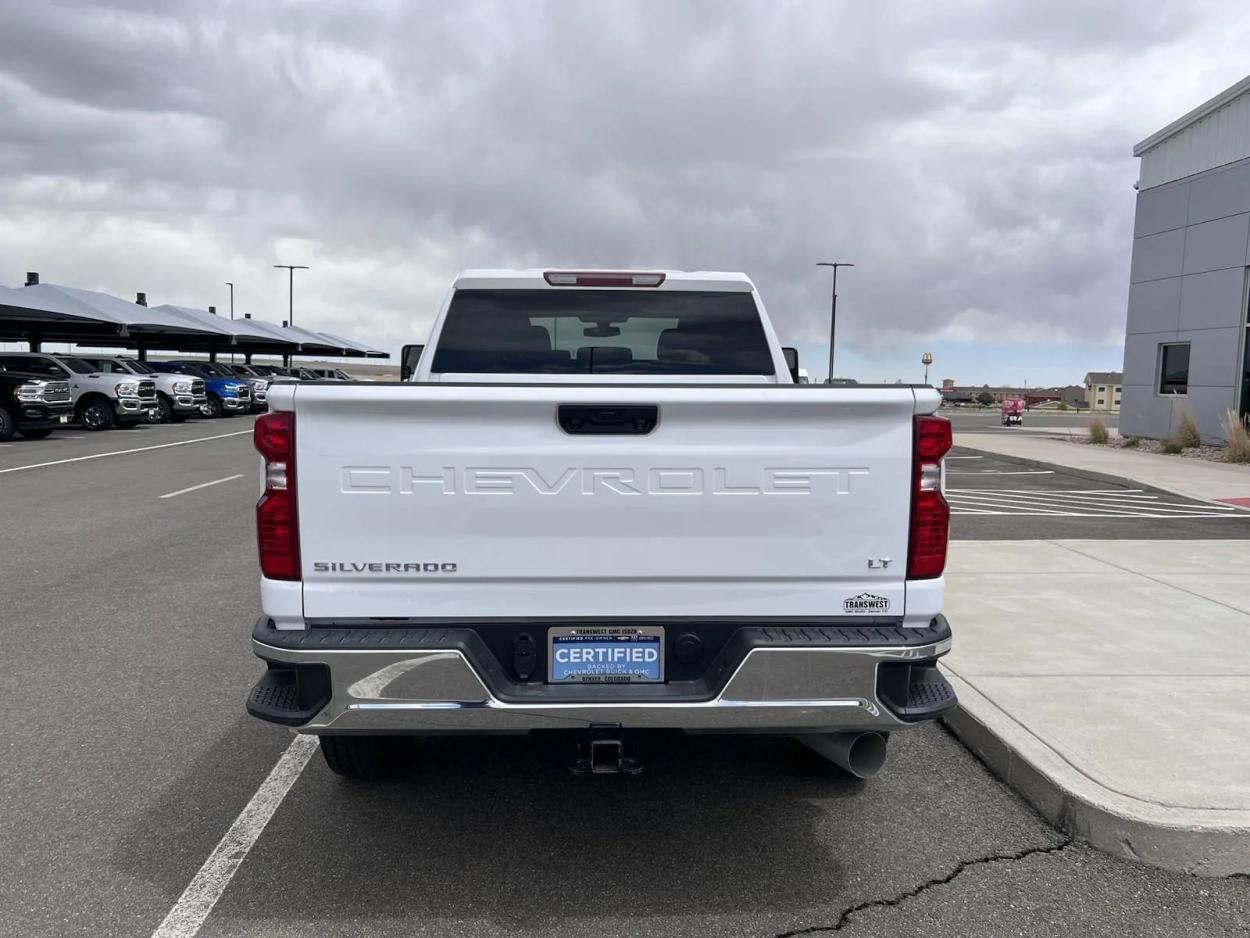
[971, 158]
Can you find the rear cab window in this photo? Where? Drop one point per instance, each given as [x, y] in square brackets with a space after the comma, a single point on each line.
[579, 331]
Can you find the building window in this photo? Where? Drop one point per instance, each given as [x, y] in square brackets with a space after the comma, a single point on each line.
[1102, 389]
[1102, 400]
[1174, 368]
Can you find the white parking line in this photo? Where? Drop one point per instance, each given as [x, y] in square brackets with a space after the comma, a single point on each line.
[1086, 514]
[197, 900]
[985, 505]
[1001, 472]
[202, 485]
[124, 452]
[1135, 493]
[949, 458]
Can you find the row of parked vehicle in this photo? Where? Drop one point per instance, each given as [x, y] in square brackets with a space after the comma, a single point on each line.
[41, 391]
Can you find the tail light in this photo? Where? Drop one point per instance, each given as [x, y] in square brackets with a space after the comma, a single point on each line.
[277, 525]
[930, 515]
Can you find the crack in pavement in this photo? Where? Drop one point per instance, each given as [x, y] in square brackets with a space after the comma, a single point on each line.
[845, 917]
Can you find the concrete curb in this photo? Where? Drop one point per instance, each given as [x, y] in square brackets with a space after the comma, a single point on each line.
[1199, 841]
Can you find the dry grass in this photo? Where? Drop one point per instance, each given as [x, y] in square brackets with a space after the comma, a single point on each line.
[1132, 442]
[1187, 434]
[1171, 446]
[1238, 437]
[1098, 431]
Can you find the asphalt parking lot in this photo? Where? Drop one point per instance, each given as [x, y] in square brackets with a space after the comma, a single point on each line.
[994, 498]
[987, 420]
[129, 583]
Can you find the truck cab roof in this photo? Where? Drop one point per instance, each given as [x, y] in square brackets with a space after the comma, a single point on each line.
[539, 278]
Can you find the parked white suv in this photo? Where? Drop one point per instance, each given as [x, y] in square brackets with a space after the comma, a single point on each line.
[101, 400]
[601, 504]
[177, 396]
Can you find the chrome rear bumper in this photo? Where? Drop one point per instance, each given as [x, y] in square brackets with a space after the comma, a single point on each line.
[783, 689]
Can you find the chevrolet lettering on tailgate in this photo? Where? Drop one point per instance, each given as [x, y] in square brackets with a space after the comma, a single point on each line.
[689, 480]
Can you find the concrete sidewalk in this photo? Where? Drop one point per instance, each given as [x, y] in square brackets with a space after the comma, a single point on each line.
[1196, 478]
[1108, 682]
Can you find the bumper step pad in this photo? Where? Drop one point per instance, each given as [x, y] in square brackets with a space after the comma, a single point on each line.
[915, 691]
[290, 694]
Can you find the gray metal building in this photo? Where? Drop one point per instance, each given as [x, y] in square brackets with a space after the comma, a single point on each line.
[1188, 311]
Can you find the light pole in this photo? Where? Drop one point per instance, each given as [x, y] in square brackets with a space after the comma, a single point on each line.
[231, 286]
[291, 268]
[833, 311]
[926, 359]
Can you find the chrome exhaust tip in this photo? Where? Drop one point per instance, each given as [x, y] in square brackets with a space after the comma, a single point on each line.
[859, 754]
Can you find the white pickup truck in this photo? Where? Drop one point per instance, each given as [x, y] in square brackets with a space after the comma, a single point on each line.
[601, 504]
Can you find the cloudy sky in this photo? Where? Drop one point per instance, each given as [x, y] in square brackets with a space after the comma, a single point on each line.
[973, 159]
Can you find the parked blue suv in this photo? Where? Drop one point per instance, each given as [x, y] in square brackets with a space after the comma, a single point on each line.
[227, 396]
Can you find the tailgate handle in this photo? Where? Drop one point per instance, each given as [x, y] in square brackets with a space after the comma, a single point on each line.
[623, 419]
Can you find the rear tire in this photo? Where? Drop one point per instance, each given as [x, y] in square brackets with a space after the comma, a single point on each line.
[7, 426]
[367, 758]
[36, 434]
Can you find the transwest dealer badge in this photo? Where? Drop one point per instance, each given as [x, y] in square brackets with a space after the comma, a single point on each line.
[865, 603]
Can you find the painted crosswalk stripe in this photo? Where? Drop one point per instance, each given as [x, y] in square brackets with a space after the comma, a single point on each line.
[1152, 503]
[1000, 472]
[1092, 503]
[1109, 498]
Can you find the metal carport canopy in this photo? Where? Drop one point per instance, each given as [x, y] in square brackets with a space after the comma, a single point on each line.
[297, 340]
[245, 335]
[46, 311]
[31, 315]
[357, 346]
[319, 342]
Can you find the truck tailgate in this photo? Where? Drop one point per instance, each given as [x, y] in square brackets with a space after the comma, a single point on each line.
[471, 501]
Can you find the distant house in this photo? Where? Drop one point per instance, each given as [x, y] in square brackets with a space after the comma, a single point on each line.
[1072, 395]
[1103, 389]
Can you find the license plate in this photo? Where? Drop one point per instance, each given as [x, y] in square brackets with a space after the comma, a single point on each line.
[64, 419]
[605, 655]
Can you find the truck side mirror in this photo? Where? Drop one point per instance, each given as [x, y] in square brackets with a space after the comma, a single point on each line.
[791, 356]
[409, 356]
